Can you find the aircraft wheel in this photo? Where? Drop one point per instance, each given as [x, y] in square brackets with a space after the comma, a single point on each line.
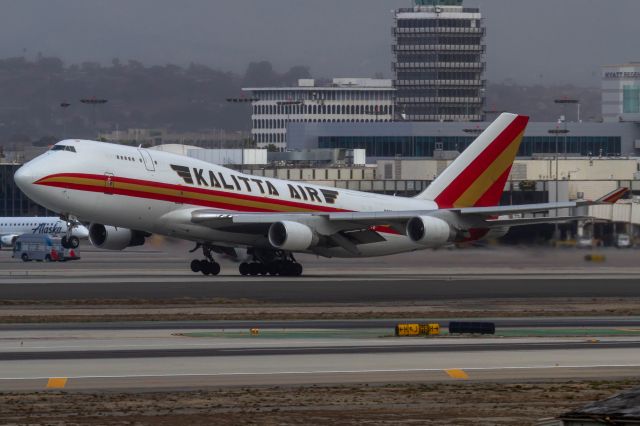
[254, 268]
[285, 269]
[213, 268]
[73, 242]
[65, 242]
[195, 265]
[244, 268]
[296, 269]
[273, 268]
[264, 270]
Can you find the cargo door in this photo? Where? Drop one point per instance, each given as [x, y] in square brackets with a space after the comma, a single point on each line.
[146, 158]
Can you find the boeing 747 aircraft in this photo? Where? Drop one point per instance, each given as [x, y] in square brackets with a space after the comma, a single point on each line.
[128, 193]
[12, 227]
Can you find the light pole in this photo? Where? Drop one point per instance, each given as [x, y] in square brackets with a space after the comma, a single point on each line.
[557, 131]
[94, 102]
[64, 105]
[568, 101]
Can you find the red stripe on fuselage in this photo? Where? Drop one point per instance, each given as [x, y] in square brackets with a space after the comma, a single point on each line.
[186, 200]
[461, 183]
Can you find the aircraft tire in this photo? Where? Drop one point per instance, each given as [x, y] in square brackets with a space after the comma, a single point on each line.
[291, 269]
[213, 268]
[195, 265]
[296, 269]
[244, 268]
[64, 242]
[273, 268]
[254, 269]
[74, 242]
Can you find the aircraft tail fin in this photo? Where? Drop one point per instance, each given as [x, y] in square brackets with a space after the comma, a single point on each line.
[478, 176]
[613, 196]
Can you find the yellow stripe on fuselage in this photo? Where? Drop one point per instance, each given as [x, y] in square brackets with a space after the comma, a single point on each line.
[184, 193]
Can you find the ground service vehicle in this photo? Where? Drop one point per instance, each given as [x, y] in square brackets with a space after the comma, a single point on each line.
[623, 241]
[42, 247]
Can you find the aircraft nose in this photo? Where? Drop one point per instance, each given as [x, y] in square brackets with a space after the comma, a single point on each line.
[24, 177]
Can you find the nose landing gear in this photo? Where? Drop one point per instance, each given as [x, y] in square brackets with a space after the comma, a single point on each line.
[70, 241]
[207, 266]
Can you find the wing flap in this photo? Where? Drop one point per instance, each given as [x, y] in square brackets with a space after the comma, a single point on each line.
[495, 223]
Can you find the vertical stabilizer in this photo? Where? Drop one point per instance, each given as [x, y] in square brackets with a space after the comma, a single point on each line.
[478, 176]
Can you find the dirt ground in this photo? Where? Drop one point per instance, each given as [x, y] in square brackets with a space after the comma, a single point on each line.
[184, 310]
[442, 404]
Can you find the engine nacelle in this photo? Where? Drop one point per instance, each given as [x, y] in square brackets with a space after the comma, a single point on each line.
[292, 236]
[113, 238]
[8, 240]
[429, 231]
[495, 233]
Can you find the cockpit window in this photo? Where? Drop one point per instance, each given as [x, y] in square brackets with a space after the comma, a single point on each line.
[63, 148]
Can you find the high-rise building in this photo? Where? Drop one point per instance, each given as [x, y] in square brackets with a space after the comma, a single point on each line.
[621, 92]
[439, 62]
[343, 100]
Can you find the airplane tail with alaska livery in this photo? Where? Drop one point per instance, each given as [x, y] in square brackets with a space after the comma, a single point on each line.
[127, 194]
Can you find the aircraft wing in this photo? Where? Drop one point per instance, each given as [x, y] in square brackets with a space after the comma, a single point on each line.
[496, 216]
[495, 223]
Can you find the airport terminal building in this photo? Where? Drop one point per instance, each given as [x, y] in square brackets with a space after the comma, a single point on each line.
[428, 139]
[353, 100]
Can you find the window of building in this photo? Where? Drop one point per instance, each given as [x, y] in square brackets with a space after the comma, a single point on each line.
[631, 99]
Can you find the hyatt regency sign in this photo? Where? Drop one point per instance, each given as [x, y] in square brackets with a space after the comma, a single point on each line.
[619, 75]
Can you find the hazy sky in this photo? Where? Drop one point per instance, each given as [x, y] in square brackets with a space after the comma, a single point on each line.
[553, 41]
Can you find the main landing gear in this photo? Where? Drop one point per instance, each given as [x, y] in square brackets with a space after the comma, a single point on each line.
[271, 263]
[207, 266]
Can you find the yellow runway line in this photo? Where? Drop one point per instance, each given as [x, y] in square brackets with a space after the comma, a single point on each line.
[57, 383]
[456, 373]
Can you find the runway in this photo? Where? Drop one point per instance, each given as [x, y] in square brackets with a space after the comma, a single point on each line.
[99, 359]
[451, 274]
[309, 289]
[194, 354]
[389, 324]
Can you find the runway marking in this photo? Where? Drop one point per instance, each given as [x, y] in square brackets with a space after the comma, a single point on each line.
[456, 373]
[273, 373]
[57, 382]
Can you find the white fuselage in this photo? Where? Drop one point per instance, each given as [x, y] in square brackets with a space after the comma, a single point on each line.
[11, 227]
[155, 192]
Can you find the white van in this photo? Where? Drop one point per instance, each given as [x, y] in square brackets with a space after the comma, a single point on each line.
[623, 241]
[42, 247]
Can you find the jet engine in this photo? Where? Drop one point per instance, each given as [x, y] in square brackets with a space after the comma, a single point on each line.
[495, 233]
[291, 236]
[429, 231]
[8, 240]
[114, 238]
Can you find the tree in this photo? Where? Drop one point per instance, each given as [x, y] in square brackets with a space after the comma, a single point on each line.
[260, 74]
[294, 74]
